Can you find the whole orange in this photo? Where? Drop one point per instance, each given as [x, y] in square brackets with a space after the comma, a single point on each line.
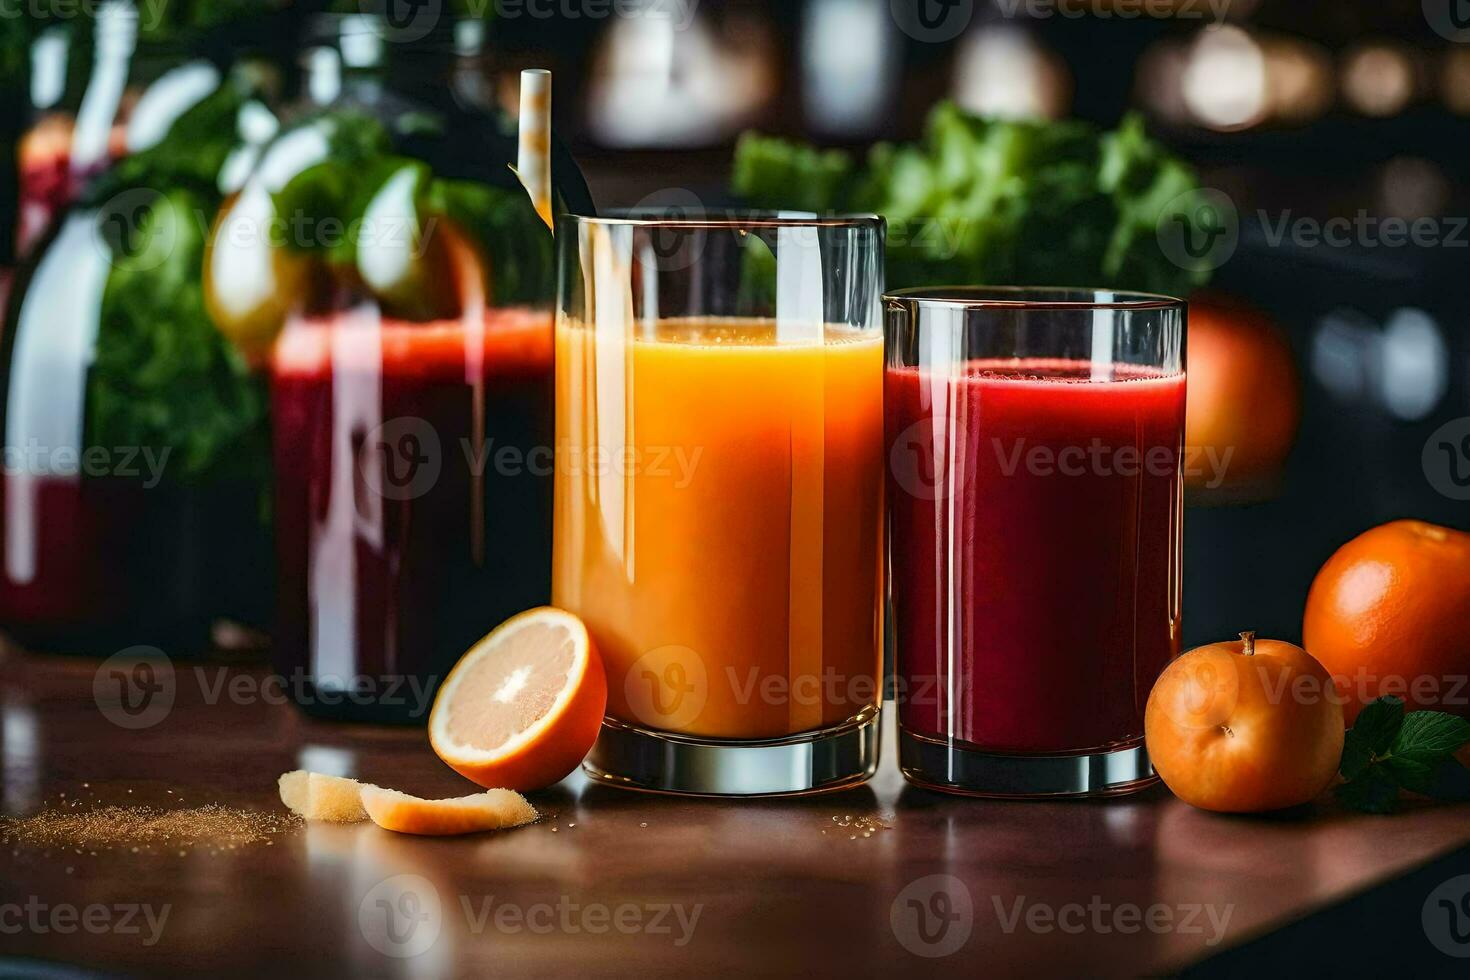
[1243, 405]
[1244, 726]
[1389, 613]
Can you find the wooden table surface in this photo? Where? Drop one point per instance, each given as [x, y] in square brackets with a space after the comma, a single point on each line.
[613, 883]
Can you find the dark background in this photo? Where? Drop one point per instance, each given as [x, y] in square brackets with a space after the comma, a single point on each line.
[1308, 109]
[1364, 106]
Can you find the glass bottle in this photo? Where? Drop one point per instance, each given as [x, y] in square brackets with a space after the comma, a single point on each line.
[404, 293]
[133, 502]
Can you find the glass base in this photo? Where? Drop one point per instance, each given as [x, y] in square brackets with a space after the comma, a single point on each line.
[939, 765]
[812, 762]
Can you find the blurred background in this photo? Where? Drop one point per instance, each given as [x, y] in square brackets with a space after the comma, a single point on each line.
[1339, 358]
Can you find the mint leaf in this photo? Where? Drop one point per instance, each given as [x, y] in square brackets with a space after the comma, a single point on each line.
[1371, 736]
[1388, 750]
[1424, 743]
[1375, 791]
[1357, 756]
[1414, 771]
[1379, 723]
[1431, 732]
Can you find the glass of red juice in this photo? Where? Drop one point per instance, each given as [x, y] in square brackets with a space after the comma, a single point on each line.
[1035, 444]
[413, 498]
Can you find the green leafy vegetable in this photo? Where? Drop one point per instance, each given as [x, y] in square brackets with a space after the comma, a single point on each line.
[995, 202]
[316, 204]
[776, 173]
[178, 18]
[163, 377]
[1388, 750]
[191, 154]
[503, 223]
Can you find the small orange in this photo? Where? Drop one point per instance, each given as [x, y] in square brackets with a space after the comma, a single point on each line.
[1245, 726]
[522, 708]
[1388, 614]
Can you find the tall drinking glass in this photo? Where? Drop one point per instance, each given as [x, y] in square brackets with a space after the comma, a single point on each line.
[1035, 516]
[719, 487]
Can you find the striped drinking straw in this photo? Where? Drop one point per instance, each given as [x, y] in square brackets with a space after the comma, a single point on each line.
[533, 165]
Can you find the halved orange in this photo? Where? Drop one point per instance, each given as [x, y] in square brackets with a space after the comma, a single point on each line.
[495, 809]
[522, 708]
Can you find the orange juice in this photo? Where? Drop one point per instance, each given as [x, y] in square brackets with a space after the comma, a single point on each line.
[718, 520]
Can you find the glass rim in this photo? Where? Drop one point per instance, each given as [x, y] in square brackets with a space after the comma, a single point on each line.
[725, 218]
[1078, 298]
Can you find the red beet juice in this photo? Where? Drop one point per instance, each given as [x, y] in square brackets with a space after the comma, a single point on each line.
[1035, 513]
[413, 496]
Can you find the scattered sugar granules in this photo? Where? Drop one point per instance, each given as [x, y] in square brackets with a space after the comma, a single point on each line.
[219, 827]
[864, 826]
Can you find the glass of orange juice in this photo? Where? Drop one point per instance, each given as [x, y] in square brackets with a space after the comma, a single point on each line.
[719, 494]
